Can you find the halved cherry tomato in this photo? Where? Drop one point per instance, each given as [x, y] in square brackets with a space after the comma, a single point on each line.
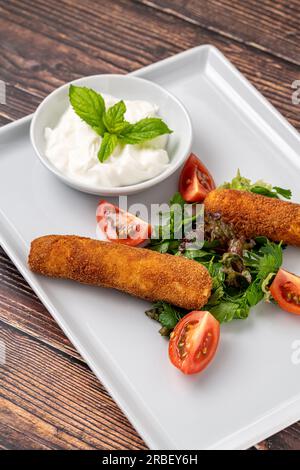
[285, 289]
[195, 181]
[119, 226]
[194, 342]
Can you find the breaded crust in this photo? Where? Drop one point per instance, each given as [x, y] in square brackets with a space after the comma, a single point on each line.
[137, 271]
[254, 215]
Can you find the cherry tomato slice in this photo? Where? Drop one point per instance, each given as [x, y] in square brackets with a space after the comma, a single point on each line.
[285, 289]
[195, 181]
[119, 226]
[194, 342]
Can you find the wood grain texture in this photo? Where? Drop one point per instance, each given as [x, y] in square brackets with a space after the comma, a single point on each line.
[49, 398]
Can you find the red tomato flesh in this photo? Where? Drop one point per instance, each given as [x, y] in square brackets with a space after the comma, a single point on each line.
[195, 181]
[285, 289]
[194, 342]
[119, 226]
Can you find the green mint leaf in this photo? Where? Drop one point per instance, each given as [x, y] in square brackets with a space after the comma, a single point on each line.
[89, 106]
[224, 311]
[108, 144]
[143, 130]
[177, 199]
[169, 317]
[254, 294]
[286, 193]
[114, 118]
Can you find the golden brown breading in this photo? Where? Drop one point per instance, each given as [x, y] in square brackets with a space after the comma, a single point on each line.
[254, 215]
[137, 271]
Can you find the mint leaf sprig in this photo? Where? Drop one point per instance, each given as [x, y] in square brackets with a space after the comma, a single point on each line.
[110, 124]
[226, 302]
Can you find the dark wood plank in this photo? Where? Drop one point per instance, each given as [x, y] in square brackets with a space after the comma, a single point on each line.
[268, 25]
[49, 400]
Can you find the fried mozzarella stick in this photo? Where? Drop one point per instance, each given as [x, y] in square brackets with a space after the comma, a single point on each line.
[254, 215]
[137, 271]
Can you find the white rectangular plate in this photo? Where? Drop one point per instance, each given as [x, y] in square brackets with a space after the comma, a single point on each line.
[252, 388]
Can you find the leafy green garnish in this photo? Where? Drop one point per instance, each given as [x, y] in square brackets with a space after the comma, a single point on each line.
[241, 269]
[108, 144]
[177, 199]
[169, 316]
[286, 193]
[260, 187]
[262, 263]
[113, 118]
[226, 311]
[110, 124]
[174, 225]
[143, 130]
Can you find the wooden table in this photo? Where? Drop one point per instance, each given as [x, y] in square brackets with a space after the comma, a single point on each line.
[49, 399]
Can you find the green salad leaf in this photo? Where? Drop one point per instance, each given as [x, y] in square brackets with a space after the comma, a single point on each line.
[260, 187]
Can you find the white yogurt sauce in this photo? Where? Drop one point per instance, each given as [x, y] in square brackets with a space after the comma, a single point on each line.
[72, 147]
